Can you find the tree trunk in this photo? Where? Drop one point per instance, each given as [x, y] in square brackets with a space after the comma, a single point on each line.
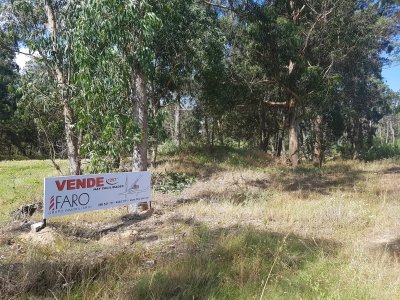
[318, 153]
[139, 102]
[220, 133]
[280, 140]
[387, 131]
[177, 122]
[282, 153]
[370, 134]
[263, 129]
[392, 131]
[140, 105]
[69, 121]
[206, 128]
[293, 135]
[72, 141]
[380, 133]
[154, 155]
[358, 139]
[212, 133]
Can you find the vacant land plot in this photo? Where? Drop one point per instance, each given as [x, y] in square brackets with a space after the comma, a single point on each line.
[241, 228]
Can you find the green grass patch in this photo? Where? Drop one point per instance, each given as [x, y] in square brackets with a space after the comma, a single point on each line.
[241, 264]
[22, 183]
[171, 182]
[310, 233]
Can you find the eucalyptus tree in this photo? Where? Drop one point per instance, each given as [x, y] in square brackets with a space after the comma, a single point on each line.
[292, 54]
[187, 27]
[135, 58]
[106, 112]
[275, 39]
[40, 107]
[44, 27]
[361, 93]
[8, 80]
[117, 35]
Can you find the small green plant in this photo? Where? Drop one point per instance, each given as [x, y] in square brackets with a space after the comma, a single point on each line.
[168, 148]
[381, 151]
[172, 182]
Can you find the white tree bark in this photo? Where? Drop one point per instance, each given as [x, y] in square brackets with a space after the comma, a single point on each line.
[69, 120]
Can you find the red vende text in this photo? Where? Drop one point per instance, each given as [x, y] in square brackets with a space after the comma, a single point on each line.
[75, 184]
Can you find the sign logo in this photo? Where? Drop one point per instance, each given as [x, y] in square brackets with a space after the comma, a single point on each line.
[134, 188]
[52, 203]
[112, 181]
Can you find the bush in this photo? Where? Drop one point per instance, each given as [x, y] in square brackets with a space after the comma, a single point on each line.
[171, 182]
[381, 151]
[377, 151]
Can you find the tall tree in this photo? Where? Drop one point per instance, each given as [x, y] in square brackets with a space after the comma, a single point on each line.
[8, 78]
[120, 31]
[44, 28]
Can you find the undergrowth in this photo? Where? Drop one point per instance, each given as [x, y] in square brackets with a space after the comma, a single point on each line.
[171, 182]
[244, 231]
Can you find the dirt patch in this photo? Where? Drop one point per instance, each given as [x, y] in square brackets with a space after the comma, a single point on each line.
[46, 236]
[97, 230]
[126, 237]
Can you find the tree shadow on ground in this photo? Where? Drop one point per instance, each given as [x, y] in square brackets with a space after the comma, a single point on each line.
[230, 263]
[393, 170]
[322, 181]
[204, 162]
[202, 171]
[36, 277]
[392, 247]
[97, 231]
[237, 196]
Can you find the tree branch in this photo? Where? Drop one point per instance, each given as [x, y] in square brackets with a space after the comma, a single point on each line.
[276, 103]
[217, 5]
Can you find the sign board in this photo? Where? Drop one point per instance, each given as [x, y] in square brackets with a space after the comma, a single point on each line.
[75, 194]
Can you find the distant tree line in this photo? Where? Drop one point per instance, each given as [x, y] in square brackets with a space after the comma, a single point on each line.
[111, 79]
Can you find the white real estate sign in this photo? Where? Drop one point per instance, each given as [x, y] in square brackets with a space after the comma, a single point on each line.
[75, 194]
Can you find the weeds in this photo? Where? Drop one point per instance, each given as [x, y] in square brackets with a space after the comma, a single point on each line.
[171, 182]
[240, 231]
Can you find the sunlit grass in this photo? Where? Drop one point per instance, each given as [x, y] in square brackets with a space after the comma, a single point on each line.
[22, 183]
[241, 231]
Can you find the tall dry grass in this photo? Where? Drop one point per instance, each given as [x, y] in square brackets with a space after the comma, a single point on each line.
[243, 230]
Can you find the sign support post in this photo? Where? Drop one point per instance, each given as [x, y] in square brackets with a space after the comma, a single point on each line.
[36, 227]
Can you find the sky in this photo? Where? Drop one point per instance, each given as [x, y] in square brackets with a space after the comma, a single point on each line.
[391, 74]
[21, 59]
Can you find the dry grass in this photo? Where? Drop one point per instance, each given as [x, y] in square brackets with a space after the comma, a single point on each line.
[241, 230]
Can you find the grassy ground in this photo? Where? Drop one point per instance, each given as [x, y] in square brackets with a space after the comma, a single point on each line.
[247, 228]
[22, 183]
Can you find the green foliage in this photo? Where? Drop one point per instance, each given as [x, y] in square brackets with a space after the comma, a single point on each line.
[380, 150]
[377, 151]
[112, 42]
[171, 182]
[39, 107]
[169, 148]
[236, 70]
[17, 134]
